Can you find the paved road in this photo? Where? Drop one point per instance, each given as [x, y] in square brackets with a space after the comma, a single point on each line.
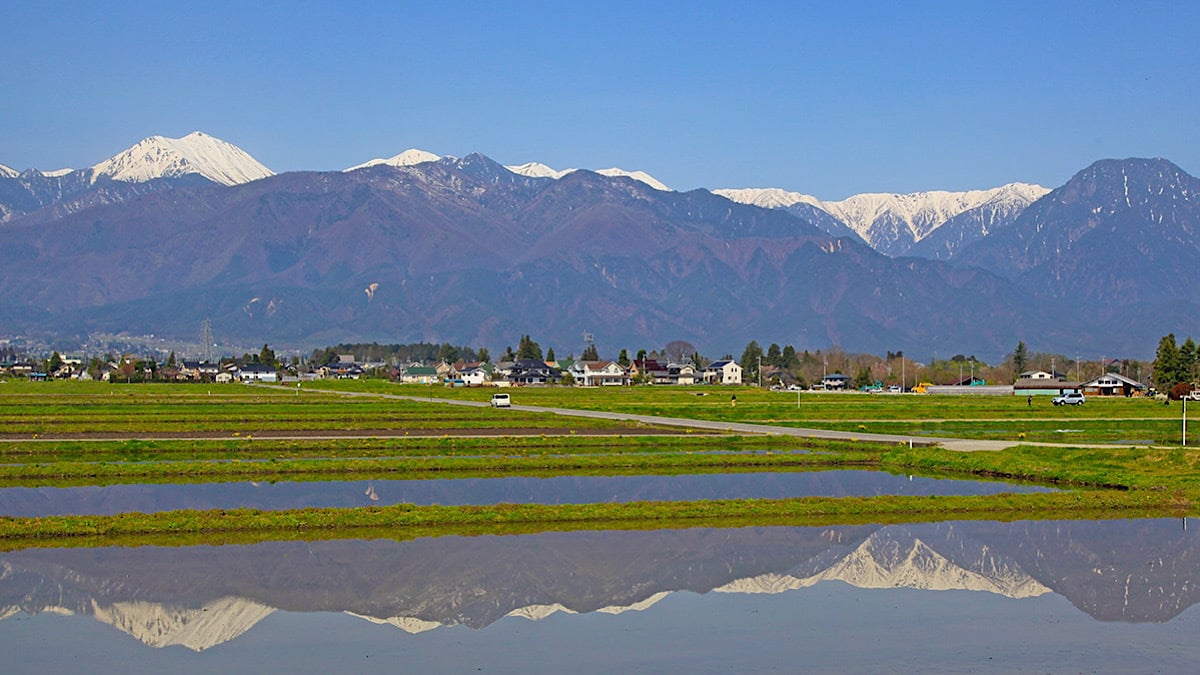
[733, 427]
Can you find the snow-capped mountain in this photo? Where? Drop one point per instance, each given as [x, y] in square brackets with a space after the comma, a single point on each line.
[894, 224]
[196, 153]
[895, 557]
[6, 172]
[636, 175]
[410, 157]
[538, 170]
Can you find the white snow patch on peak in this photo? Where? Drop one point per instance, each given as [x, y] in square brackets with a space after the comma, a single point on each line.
[57, 173]
[539, 612]
[638, 176]
[6, 172]
[407, 624]
[768, 198]
[407, 158]
[196, 153]
[920, 212]
[639, 606]
[537, 170]
[923, 212]
[197, 629]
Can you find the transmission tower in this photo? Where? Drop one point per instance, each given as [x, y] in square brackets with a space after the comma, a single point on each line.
[206, 340]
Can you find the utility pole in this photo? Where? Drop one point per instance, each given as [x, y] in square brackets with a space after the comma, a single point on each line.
[760, 371]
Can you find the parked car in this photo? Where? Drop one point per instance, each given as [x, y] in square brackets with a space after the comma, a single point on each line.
[1069, 398]
[501, 401]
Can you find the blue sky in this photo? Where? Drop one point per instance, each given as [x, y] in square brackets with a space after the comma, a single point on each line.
[830, 99]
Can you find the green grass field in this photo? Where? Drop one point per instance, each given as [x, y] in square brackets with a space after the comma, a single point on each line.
[1115, 481]
[1100, 420]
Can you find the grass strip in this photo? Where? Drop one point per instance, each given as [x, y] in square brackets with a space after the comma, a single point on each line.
[825, 510]
[97, 473]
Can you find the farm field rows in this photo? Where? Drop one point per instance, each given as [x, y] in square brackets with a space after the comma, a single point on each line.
[1117, 481]
[1100, 420]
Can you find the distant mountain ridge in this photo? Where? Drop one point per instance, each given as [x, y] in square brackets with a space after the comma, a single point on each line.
[898, 224]
[469, 251]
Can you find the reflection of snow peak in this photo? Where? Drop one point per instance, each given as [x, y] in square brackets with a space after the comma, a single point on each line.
[884, 562]
[195, 628]
[407, 624]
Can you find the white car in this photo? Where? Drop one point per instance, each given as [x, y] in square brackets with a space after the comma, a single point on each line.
[501, 401]
[1069, 398]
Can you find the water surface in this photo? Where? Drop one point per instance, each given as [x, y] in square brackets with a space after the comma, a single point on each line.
[1041, 596]
[149, 498]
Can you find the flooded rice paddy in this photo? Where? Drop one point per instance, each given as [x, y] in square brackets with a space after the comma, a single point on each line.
[1047, 596]
[151, 498]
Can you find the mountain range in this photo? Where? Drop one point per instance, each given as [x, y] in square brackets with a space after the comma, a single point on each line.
[203, 596]
[175, 231]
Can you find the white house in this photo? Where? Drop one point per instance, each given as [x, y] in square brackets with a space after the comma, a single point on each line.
[596, 373]
[257, 373]
[723, 372]
[473, 377]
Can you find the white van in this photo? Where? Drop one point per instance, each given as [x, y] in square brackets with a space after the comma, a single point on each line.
[501, 401]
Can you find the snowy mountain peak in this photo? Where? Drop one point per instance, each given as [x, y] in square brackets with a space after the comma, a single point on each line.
[636, 175]
[537, 170]
[768, 198]
[6, 172]
[893, 223]
[407, 158]
[196, 153]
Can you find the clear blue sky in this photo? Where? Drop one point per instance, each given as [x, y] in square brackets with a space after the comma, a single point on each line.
[825, 98]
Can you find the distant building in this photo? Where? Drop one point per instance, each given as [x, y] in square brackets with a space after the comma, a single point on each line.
[723, 372]
[835, 381]
[256, 372]
[1112, 384]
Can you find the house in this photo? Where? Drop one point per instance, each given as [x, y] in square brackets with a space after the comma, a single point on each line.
[599, 373]
[533, 371]
[199, 370]
[723, 372]
[473, 377]
[681, 373]
[256, 372]
[1112, 384]
[1040, 375]
[341, 370]
[418, 375]
[835, 382]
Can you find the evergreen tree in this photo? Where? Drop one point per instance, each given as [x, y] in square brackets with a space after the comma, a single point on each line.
[1187, 360]
[1020, 359]
[590, 353]
[267, 357]
[1166, 364]
[483, 355]
[508, 354]
[863, 378]
[171, 363]
[749, 361]
[550, 354]
[623, 358]
[528, 349]
[788, 359]
[641, 355]
[774, 356]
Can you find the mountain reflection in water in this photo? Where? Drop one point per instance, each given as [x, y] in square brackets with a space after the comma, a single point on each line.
[202, 596]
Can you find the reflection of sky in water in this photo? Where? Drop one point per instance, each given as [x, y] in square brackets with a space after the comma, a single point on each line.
[92, 500]
[826, 627]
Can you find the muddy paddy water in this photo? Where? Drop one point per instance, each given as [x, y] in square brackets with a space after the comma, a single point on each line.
[1066, 596]
[149, 498]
